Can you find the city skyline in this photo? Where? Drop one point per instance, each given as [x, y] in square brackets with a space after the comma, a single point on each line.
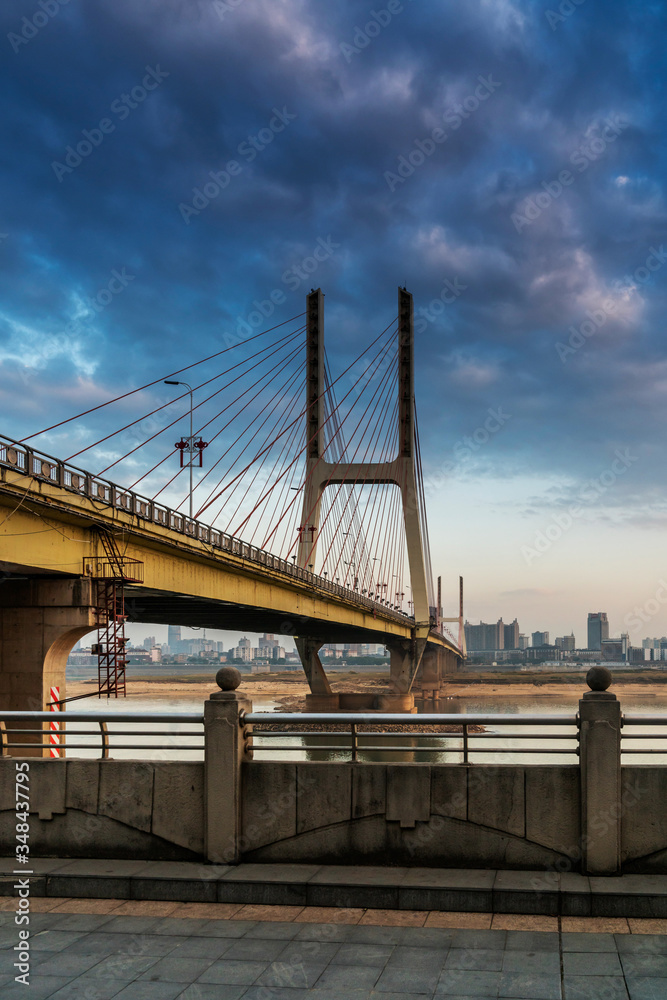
[137, 634]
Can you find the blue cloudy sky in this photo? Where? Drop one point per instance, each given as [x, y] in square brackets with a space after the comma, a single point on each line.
[504, 160]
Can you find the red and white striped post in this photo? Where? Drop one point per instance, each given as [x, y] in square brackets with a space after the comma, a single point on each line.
[54, 725]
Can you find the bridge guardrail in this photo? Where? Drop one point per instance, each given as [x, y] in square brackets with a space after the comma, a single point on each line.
[470, 739]
[474, 738]
[637, 738]
[100, 735]
[45, 468]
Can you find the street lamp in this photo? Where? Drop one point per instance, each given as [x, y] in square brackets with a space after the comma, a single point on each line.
[354, 571]
[191, 438]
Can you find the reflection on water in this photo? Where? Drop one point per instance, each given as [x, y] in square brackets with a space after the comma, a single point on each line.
[502, 744]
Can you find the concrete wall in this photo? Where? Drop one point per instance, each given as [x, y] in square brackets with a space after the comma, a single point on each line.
[110, 808]
[441, 815]
[643, 819]
[411, 814]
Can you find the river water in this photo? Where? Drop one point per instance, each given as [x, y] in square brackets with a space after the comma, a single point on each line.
[503, 744]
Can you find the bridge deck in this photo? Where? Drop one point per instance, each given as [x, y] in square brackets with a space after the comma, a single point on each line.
[193, 573]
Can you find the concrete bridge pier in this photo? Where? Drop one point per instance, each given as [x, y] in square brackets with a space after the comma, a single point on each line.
[404, 660]
[437, 665]
[40, 621]
[321, 697]
[430, 676]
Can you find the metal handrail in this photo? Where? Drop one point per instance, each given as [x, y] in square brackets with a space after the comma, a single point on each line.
[403, 719]
[402, 725]
[108, 716]
[104, 738]
[632, 719]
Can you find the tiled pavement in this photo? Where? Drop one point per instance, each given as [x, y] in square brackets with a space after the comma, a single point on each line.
[102, 949]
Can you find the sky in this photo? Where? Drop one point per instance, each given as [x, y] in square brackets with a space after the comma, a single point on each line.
[505, 161]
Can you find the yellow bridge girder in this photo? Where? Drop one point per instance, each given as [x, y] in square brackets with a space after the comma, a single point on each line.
[48, 530]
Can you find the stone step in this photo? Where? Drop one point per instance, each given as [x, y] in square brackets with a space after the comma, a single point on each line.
[461, 890]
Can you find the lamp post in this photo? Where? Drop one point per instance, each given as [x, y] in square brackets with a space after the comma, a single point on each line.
[354, 572]
[191, 445]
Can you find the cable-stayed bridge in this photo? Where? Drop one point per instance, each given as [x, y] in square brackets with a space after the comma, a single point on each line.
[294, 505]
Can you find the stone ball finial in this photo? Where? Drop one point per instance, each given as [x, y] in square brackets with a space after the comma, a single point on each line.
[228, 678]
[598, 678]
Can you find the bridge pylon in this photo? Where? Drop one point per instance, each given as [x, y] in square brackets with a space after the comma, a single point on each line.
[401, 471]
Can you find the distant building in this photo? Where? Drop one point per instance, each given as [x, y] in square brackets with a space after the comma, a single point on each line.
[581, 655]
[543, 651]
[149, 642]
[540, 638]
[267, 643]
[485, 636]
[598, 629]
[615, 650]
[156, 654]
[654, 643]
[524, 642]
[511, 635]
[244, 650]
[174, 638]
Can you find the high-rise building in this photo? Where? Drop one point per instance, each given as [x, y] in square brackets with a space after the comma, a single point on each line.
[511, 635]
[524, 642]
[149, 642]
[174, 637]
[540, 638]
[569, 642]
[485, 636]
[243, 651]
[615, 649]
[598, 629]
[267, 643]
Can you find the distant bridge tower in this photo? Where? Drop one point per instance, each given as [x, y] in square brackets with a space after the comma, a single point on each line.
[401, 471]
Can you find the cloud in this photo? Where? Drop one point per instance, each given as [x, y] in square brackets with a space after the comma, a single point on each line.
[495, 345]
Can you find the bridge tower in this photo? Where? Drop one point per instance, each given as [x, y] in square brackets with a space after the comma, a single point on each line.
[401, 471]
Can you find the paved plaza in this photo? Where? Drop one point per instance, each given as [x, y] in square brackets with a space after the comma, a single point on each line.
[99, 949]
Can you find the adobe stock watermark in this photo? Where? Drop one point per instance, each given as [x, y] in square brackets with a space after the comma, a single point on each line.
[467, 446]
[378, 21]
[449, 293]
[31, 26]
[590, 494]
[149, 427]
[62, 343]
[596, 318]
[600, 825]
[582, 158]
[454, 118]
[224, 7]
[292, 277]
[640, 615]
[22, 885]
[121, 108]
[565, 9]
[249, 149]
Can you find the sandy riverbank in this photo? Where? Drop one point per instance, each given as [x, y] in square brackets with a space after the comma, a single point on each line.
[289, 691]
